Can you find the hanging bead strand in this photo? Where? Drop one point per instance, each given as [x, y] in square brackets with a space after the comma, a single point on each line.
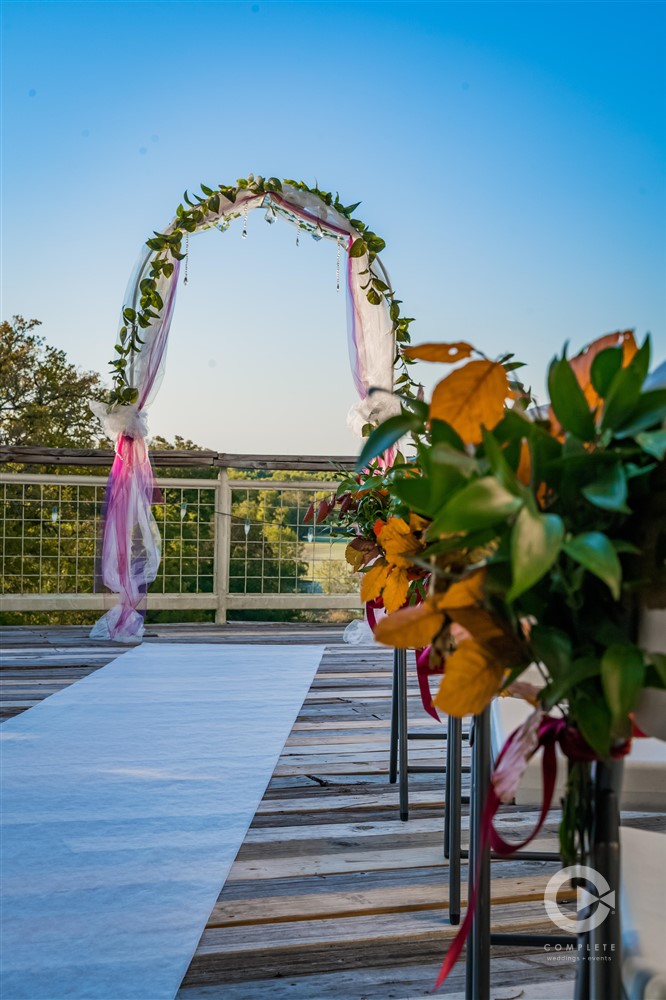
[187, 257]
[245, 211]
[337, 266]
[298, 235]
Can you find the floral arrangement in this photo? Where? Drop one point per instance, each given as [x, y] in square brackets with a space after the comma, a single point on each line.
[203, 211]
[533, 534]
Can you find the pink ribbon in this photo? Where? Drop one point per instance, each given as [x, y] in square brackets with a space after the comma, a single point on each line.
[551, 732]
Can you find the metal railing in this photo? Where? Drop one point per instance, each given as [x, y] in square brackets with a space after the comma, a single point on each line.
[228, 544]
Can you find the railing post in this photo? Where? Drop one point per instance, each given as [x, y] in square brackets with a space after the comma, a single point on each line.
[222, 544]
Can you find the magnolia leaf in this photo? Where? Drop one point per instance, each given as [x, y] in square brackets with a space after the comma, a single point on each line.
[443, 433]
[471, 680]
[398, 542]
[373, 581]
[360, 551]
[594, 378]
[568, 401]
[648, 413]
[622, 675]
[396, 589]
[386, 435]
[625, 391]
[595, 552]
[447, 353]
[593, 718]
[604, 368]
[653, 442]
[464, 593]
[471, 398]
[536, 541]
[552, 646]
[410, 628]
[609, 490]
[479, 504]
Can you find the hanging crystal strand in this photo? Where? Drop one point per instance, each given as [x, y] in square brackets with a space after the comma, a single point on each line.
[337, 266]
[187, 257]
[298, 235]
[245, 211]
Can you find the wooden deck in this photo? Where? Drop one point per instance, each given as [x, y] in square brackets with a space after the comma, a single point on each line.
[331, 897]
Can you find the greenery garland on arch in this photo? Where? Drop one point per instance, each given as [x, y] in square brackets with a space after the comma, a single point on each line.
[203, 213]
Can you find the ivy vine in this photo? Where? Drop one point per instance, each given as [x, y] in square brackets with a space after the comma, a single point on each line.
[202, 213]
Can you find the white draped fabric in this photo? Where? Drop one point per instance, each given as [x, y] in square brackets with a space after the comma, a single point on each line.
[130, 546]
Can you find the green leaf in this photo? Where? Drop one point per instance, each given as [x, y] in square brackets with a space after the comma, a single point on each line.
[373, 297]
[358, 248]
[443, 433]
[499, 464]
[594, 720]
[653, 443]
[380, 285]
[385, 435]
[129, 314]
[415, 492]
[595, 552]
[580, 670]
[394, 311]
[622, 675]
[648, 413]
[536, 541]
[609, 490]
[444, 454]
[568, 401]
[552, 647]
[658, 661]
[624, 393]
[604, 368]
[481, 503]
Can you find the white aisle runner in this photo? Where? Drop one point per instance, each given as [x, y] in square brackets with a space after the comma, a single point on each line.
[125, 799]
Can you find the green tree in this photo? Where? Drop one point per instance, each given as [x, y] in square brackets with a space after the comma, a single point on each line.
[43, 396]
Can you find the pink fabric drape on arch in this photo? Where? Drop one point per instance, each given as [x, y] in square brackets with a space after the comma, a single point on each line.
[130, 548]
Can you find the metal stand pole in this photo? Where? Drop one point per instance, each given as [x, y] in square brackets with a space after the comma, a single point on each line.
[478, 947]
[448, 800]
[454, 811]
[402, 734]
[605, 939]
[393, 752]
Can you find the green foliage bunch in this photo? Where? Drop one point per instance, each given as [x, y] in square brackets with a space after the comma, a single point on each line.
[202, 211]
[567, 510]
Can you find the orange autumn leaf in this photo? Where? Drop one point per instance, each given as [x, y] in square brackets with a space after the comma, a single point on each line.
[448, 353]
[582, 363]
[582, 368]
[524, 470]
[396, 589]
[398, 542]
[470, 398]
[418, 523]
[471, 680]
[373, 581]
[410, 628]
[360, 551]
[463, 594]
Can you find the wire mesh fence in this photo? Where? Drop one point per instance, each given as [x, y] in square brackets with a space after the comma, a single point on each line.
[50, 529]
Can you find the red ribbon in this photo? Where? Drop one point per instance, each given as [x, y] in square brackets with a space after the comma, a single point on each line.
[422, 661]
[551, 732]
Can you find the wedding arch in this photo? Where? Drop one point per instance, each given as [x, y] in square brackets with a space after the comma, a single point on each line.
[130, 553]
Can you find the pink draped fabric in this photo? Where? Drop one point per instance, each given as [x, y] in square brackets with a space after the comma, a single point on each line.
[130, 551]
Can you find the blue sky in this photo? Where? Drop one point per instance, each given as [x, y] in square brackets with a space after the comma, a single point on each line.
[511, 154]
